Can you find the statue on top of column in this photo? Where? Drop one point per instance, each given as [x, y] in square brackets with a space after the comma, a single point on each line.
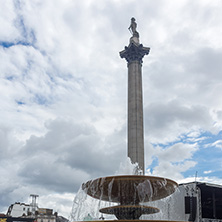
[132, 28]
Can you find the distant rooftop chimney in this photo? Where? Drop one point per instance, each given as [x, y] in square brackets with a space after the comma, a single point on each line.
[34, 204]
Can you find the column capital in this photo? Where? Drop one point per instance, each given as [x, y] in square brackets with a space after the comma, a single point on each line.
[134, 52]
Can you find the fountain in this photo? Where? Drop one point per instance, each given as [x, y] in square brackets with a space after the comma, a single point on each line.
[130, 192]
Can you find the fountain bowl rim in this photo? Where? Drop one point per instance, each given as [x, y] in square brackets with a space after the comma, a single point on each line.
[122, 177]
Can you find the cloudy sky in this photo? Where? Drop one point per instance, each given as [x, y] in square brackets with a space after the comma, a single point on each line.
[63, 93]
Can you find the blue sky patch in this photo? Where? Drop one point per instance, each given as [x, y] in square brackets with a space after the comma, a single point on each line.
[10, 44]
[208, 155]
[154, 163]
[20, 103]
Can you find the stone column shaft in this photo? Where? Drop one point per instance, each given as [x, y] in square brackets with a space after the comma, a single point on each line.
[134, 54]
[135, 114]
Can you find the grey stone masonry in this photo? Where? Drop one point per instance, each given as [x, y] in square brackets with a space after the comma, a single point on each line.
[134, 54]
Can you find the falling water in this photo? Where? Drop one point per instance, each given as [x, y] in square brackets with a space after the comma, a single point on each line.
[126, 192]
[86, 208]
[167, 208]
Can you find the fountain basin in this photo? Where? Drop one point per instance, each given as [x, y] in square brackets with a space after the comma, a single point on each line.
[129, 189]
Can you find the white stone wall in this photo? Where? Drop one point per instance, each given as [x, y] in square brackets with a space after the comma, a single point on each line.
[18, 209]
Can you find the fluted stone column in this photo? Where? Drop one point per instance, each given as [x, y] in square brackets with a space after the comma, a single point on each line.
[134, 54]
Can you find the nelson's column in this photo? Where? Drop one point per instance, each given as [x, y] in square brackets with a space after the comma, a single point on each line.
[134, 54]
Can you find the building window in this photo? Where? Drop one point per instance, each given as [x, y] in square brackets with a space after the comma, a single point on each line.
[24, 209]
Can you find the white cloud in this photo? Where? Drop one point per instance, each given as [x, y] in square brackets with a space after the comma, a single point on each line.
[173, 171]
[8, 31]
[175, 118]
[172, 160]
[217, 144]
[178, 152]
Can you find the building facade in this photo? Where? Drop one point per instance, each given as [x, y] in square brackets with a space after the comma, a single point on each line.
[22, 210]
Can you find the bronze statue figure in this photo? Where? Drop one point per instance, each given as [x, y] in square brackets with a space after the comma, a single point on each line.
[132, 28]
